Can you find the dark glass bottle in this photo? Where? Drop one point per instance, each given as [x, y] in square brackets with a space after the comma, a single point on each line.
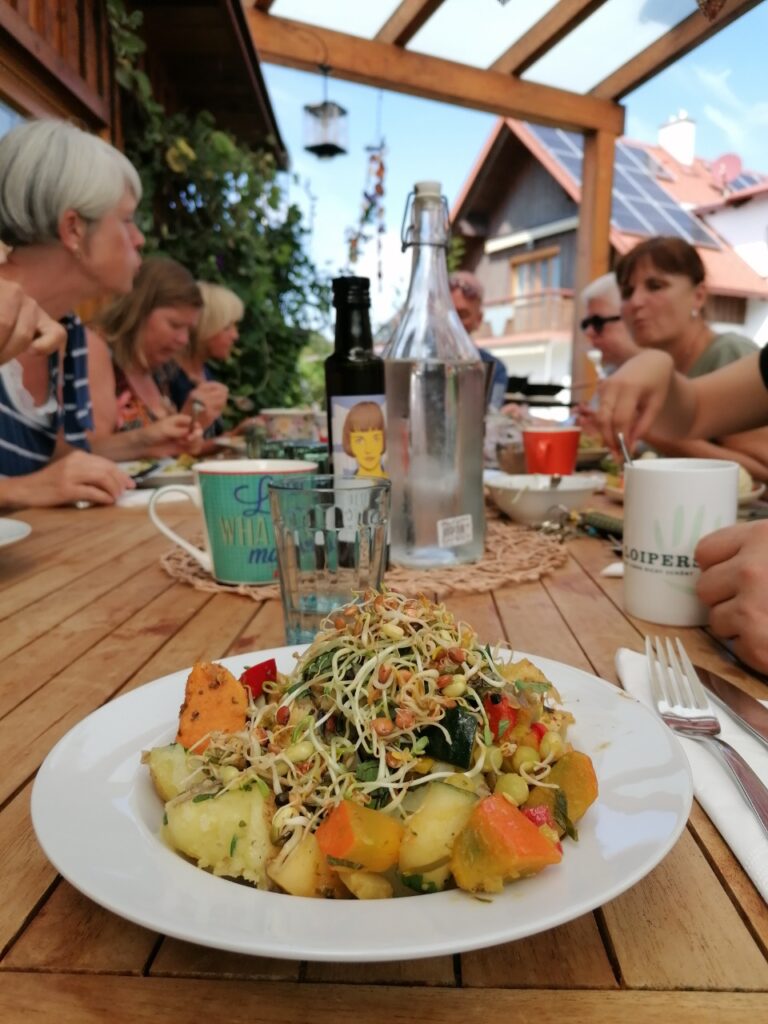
[354, 385]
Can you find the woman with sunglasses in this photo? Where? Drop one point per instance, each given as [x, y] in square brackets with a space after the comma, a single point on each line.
[602, 324]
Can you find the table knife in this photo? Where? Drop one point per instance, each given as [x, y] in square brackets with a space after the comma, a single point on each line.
[750, 712]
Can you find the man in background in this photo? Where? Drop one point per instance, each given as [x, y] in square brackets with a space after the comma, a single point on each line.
[467, 295]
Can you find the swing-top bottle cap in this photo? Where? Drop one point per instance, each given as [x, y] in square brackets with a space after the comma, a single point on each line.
[355, 290]
[428, 189]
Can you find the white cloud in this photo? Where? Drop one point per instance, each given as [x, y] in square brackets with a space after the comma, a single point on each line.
[734, 130]
[716, 83]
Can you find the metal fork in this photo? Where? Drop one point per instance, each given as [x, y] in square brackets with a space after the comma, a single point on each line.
[683, 705]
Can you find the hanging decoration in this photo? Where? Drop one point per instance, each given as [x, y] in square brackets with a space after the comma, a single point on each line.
[372, 212]
[325, 124]
[710, 8]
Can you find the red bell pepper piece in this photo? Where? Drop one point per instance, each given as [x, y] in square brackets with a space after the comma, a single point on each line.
[501, 714]
[540, 815]
[253, 678]
[539, 728]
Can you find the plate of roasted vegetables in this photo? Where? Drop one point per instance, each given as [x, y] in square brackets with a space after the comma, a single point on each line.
[397, 789]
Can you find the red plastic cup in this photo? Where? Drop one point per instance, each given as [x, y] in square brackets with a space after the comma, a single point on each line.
[551, 449]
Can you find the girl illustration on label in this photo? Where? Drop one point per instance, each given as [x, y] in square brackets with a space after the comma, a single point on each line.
[364, 438]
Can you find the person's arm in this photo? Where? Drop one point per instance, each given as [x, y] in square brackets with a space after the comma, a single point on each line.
[23, 325]
[756, 467]
[647, 396]
[78, 476]
[170, 436]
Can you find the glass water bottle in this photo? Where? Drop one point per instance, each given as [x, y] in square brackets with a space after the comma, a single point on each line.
[435, 387]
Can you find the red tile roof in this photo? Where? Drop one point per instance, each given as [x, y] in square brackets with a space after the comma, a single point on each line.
[692, 187]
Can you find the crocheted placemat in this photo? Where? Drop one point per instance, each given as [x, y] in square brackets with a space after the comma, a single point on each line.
[513, 554]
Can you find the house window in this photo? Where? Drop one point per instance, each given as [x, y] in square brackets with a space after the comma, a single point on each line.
[535, 272]
[727, 309]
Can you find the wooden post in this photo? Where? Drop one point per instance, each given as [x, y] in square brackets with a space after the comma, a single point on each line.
[592, 244]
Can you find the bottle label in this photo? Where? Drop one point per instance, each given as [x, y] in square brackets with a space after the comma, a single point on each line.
[452, 533]
[359, 435]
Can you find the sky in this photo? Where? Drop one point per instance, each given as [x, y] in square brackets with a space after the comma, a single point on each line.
[721, 85]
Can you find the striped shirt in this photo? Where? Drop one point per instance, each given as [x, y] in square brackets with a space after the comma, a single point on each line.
[28, 432]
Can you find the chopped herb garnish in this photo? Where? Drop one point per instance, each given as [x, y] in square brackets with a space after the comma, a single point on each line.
[232, 845]
[367, 771]
[560, 814]
[202, 796]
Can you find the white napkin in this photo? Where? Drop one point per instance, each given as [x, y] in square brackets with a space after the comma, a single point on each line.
[614, 570]
[713, 784]
[140, 498]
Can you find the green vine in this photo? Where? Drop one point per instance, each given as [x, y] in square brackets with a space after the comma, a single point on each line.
[216, 205]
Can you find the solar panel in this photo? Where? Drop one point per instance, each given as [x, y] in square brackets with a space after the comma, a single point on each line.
[745, 180]
[640, 206]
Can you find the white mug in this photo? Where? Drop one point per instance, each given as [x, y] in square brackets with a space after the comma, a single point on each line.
[669, 505]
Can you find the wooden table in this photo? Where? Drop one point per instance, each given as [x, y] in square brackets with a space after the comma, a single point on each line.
[86, 613]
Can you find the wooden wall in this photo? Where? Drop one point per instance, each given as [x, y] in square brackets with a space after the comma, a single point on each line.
[55, 60]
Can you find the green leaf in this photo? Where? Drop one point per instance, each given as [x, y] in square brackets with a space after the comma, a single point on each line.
[367, 771]
[560, 814]
[417, 883]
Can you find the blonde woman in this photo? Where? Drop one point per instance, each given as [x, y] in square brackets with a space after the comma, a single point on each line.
[211, 339]
[67, 200]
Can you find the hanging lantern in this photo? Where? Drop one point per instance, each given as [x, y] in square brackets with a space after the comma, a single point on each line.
[325, 125]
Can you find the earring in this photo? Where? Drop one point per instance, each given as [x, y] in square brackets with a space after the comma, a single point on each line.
[694, 314]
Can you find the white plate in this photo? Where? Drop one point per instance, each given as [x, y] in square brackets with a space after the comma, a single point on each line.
[615, 494]
[168, 472]
[97, 817]
[234, 442]
[757, 492]
[13, 530]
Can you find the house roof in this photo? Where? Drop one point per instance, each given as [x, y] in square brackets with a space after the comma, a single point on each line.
[736, 198]
[652, 194]
[208, 59]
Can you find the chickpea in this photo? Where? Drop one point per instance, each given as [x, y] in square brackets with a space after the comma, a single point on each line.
[524, 756]
[513, 787]
[551, 745]
[493, 759]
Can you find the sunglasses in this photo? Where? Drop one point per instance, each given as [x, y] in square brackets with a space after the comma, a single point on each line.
[597, 322]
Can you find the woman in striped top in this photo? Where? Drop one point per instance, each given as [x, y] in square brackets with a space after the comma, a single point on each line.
[67, 201]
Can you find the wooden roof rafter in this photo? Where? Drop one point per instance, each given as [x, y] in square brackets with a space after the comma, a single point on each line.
[678, 41]
[382, 65]
[546, 33]
[404, 22]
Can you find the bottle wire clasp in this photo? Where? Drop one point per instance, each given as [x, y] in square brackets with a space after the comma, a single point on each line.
[407, 228]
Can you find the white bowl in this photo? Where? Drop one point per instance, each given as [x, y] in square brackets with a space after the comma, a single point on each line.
[530, 498]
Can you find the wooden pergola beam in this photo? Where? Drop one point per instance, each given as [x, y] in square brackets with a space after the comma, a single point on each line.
[260, 5]
[592, 248]
[673, 45]
[549, 30]
[382, 65]
[406, 20]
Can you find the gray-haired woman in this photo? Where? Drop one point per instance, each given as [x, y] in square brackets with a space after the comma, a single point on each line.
[67, 200]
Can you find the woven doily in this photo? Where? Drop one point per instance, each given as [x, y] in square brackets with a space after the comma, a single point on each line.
[513, 554]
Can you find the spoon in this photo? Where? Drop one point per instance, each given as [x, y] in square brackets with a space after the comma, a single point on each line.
[554, 481]
[624, 449]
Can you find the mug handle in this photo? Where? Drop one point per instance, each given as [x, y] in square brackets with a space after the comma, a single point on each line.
[201, 557]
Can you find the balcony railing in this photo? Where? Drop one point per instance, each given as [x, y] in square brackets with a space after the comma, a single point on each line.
[550, 310]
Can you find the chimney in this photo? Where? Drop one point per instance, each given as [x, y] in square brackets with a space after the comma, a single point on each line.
[678, 138]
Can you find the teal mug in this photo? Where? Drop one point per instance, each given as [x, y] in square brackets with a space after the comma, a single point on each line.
[234, 496]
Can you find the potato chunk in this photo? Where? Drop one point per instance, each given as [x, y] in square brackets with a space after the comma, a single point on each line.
[306, 872]
[228, 834]
[168, 769]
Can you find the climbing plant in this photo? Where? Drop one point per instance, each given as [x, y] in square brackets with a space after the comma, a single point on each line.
[216, 205]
